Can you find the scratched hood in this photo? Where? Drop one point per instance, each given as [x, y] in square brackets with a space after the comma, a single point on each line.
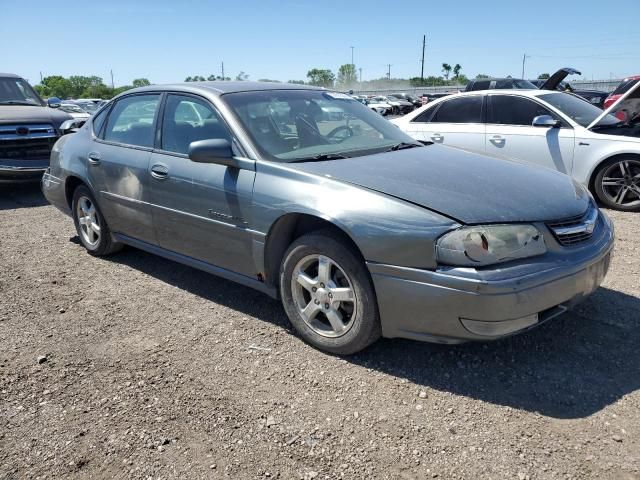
[468, 187]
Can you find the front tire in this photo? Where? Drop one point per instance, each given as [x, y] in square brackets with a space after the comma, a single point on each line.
[617, 184]
[328, 295]
[91, 226]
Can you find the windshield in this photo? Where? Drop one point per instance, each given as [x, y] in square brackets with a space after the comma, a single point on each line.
[515, 83]
[290, 125]
[579, 110]
[17, 91]
[89, 107]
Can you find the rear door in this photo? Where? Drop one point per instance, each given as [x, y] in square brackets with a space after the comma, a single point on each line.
[200, 210]
[456, 122]
[510, 133]
[118, 161]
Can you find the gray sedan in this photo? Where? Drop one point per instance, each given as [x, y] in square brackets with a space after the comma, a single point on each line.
[361, 231]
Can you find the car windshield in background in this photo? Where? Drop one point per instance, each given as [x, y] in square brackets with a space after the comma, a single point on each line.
[17, 91]
[578, 109]
[70, 108]
[294, 125]
[625, 86]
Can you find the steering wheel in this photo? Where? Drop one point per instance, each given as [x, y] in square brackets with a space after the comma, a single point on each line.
[332, 135]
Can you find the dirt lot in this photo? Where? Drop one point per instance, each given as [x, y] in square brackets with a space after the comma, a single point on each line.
[137, 367]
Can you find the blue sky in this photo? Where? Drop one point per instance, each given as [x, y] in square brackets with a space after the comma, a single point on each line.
[167, 41]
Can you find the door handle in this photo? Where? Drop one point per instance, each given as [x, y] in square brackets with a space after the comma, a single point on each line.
[93, 158]
[160, 172]
[497, 139]
[436, 137]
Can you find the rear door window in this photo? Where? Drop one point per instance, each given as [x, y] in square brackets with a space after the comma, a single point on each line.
[132, 120]
[460, 110]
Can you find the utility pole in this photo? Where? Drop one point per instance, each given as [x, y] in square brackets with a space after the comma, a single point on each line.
[360, 70]
[112, 85]
[222, 70]
[352, 64]
[389, 71]
[424, 43]
[524, 58]
[40, 77]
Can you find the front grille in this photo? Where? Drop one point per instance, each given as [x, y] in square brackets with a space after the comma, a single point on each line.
[26, 141]
[576, 230]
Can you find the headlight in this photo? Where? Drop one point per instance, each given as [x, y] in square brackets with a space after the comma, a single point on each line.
[489, 244]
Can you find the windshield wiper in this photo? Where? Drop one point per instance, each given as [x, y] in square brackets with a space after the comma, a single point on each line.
[403, 146]
[320, 158]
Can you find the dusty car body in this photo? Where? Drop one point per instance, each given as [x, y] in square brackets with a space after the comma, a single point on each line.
[359, 230]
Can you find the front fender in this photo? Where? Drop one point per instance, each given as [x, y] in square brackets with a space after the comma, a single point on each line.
[385, 229]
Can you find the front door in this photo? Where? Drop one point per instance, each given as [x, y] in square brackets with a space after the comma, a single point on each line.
[199, 210]
[510, 133]
[118, 161]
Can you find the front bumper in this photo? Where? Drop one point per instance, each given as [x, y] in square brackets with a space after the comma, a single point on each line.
[12, 171]
[457, 305]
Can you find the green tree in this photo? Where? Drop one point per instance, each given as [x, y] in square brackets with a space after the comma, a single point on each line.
[296, 82]
[481, 76]
[347, 75]
[456, 71]
[54, 86]
[141, 82]
[241, 77]
[321, 77]
[543, 76]
[446, 69]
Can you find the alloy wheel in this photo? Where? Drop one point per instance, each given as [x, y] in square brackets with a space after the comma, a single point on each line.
[621, 183]
[88, 220]
[324, 295]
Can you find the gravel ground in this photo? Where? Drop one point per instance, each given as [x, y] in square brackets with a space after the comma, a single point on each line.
[137, 367]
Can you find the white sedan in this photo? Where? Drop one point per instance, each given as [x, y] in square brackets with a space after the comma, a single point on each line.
[599, 149]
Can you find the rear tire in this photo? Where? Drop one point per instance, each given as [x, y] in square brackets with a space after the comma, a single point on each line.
[617, 184]
[91, 226]
[328, 295]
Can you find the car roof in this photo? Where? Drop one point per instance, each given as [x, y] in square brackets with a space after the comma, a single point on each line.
[222, 87]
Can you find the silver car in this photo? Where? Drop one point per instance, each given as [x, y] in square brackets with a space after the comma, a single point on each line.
[360, 230]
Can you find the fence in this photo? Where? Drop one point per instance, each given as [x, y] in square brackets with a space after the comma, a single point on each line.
[603, 85]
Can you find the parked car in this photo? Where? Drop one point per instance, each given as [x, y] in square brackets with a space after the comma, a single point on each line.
[28, 129]
[86, 105]
[398, 106]
[360, 230]
[430, 97]
[597, 97]
[498, 84]
[382, 108]
[409, 98]
[553, 129]
[621, 89]
[74, 110]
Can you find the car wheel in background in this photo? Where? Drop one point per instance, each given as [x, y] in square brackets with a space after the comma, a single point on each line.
[91, 226]
[328, 295]
[617, 184]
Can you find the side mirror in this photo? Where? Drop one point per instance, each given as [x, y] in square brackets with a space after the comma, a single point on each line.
[54, 102]
[546, 121]
[71, 126]
[218, 151]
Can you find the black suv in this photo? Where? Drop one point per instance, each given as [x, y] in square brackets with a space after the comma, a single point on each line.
[28, 129]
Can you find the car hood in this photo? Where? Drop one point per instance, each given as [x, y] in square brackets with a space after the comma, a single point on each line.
[467, 187]
[554, 80]
[627, 107]
[32, 114]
